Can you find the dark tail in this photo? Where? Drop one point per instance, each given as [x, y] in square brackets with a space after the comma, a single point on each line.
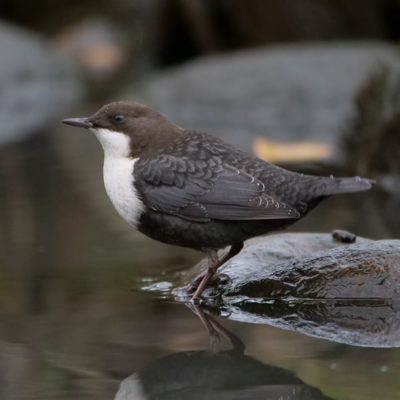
[345, 185]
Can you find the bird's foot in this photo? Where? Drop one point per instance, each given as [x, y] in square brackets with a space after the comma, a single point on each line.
[203, 281]
[217, 279]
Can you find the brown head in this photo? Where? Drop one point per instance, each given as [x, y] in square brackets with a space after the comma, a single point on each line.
[127, 128]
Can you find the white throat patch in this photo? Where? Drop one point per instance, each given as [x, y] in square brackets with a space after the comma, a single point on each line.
[115, 144]
[118, 174]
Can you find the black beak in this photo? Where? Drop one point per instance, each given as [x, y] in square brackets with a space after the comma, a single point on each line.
[80, 122]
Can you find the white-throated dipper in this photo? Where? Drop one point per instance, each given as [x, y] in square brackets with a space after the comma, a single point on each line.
[188, 188]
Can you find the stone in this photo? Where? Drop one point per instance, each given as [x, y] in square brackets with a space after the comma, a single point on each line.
[37, 85]
[285, 93]
[315, 285]
[363, 270]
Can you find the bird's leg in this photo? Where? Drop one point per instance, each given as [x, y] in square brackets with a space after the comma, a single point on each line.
[212, 267]
[194, 284]
[213, 264]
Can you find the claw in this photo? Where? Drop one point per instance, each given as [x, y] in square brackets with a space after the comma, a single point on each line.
[217, 279]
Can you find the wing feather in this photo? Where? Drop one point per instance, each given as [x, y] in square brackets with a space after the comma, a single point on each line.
[205, 190]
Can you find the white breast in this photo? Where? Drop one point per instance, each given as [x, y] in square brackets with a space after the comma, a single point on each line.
[118, 175]
[118, 181]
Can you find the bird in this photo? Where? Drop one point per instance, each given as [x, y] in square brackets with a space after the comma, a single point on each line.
[188, 188]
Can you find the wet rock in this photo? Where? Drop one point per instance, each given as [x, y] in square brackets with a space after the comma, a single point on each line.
[362, 270]
[260, 255]
[315, 285]
[309, 266]
[302, 92]
[343, 236]
[37, 85]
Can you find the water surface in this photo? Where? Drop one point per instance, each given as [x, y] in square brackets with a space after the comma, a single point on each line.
[75, 324]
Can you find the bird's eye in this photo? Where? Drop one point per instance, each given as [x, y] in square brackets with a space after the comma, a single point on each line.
[118, 118]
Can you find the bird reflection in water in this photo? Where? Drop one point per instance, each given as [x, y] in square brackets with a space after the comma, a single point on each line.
[212, 374]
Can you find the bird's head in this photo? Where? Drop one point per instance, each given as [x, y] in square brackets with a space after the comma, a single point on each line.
[126, 129]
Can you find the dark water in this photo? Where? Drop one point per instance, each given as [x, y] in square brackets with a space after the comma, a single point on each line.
[74, 323]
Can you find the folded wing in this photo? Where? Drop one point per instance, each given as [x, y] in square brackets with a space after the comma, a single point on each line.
[202, 190]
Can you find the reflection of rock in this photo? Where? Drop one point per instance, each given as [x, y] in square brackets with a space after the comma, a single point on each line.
[36, 85]
[285, 93]
[358, 323]
[228, 375]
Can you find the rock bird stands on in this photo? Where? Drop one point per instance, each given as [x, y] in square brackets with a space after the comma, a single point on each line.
[188, 188]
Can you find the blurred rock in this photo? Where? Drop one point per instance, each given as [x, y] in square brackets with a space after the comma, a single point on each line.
[372, 140]
[117, 40]
[96, 44]
[284, 93]
[37, 85]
